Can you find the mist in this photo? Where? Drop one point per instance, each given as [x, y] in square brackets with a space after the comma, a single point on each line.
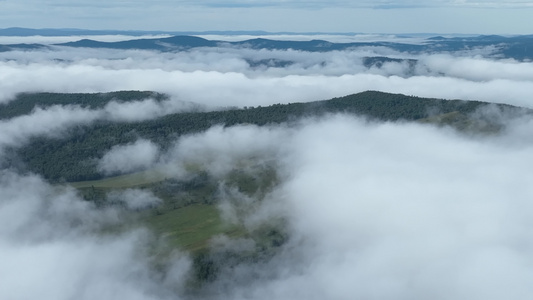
[217, 77]
[49, 242]
[371, 210]
[56, 121]
[390, 211]
[128, 158]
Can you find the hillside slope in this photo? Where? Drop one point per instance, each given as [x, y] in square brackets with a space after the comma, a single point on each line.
[71, 158]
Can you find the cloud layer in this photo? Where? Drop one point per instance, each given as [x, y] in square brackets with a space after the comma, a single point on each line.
[391, 211]
[49, 241]
[128, 158]
[243, 77]
[372, 210]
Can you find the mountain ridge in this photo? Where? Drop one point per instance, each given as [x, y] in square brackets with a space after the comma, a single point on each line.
[74, 154]
[516, 47]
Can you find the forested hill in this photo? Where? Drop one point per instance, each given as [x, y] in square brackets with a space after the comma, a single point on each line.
[73, 157]
[516, 47]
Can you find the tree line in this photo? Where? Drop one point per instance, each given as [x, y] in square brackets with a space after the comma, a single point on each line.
[73, 157]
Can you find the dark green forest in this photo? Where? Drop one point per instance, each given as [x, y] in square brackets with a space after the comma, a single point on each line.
[72, 158]
[24, 103]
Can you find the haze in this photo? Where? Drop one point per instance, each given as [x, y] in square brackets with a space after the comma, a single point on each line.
[399, 16]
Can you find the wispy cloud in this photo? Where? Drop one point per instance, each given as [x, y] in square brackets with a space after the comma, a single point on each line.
[128, 158]
[47, 231]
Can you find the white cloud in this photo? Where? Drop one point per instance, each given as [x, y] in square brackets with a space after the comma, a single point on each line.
[49, 241]
[220, 149]
[478, 69]
[56, 121]
[215, 77]
[128, 158]
[135, 198]
[51, 122]
[145, 109]
[400, 211]
[393, 211]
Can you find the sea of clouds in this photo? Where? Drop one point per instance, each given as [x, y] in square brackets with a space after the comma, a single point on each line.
[224, 76]
[372, 210]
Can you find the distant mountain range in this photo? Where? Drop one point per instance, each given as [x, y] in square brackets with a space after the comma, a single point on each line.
[517, 47]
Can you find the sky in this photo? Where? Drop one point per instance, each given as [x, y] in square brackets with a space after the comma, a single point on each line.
[408, 16]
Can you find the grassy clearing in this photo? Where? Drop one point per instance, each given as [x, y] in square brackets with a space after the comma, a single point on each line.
[122, 181]
[188, 226]
[188, 216]
[191, 227]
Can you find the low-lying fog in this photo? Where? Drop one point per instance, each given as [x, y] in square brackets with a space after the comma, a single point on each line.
[245, 77]
[373, 210]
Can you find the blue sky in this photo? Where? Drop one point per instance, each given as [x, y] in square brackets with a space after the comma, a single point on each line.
[409, 16]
